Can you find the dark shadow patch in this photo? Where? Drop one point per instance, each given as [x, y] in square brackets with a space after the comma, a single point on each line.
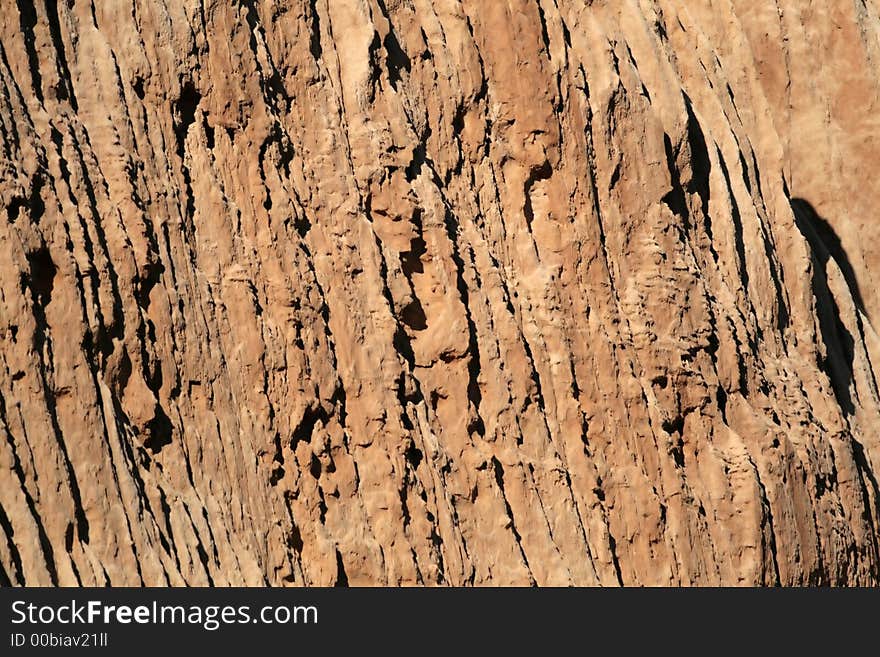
[660, 381]
[341, 575]
[64, 87]
[738, 235]
[34, 203]
[14, 555]
[413, 456]
[458, 120]
[397, 59]
[536, 175]
[41, 277]
[138, 87]
[315, 31]
[295, 540]
[185, 114]
[822, 236]
[315, 468]
[413, 315]
[545, 36]
[158, 431]
[839, 342]
[414, 168]
[146, 283]
[701, 165]
[27, 20]
[210, 138]
[498, 470]
[870, 487]
[411, 261]
[303, 431]
[674, 199]
[674, 425]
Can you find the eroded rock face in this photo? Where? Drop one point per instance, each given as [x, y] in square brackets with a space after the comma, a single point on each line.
[440, 292]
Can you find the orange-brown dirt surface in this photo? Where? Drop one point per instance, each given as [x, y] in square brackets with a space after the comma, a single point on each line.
[314, 292]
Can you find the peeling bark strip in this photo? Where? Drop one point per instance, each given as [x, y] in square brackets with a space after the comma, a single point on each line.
[341, 292]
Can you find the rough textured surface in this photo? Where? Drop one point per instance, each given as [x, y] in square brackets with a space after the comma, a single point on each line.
[439, 291]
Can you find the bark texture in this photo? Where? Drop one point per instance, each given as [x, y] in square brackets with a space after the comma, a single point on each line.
[546, 292]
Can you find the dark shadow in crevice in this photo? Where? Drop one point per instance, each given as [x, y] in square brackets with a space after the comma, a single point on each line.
[341, 576]
[315, 31]
[839, 342]
[822, 237]
[825, 245]
[27, 21]
[41, 278]
[397, 59]
[413, 315]
[701, 164]
[159, 431]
